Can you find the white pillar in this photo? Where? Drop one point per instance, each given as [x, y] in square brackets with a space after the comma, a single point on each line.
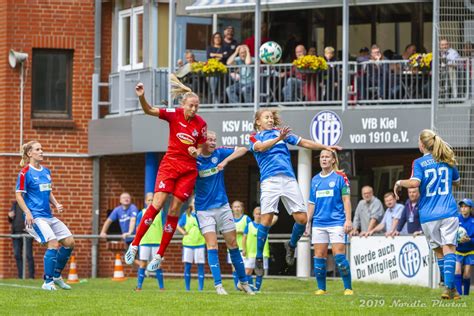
[303, 251]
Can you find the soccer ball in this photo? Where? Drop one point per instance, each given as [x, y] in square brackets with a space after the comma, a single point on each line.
[461, 233]
[270, 53]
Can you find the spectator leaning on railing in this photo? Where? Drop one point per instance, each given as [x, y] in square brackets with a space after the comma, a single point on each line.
[126, 214]
[368, 213]
[292, 90]
[376, 74]
[330, 83]
[388, 223]
[409, 222]
[243, 77]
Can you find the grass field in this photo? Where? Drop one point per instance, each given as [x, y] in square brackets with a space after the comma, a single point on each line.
[279, 297]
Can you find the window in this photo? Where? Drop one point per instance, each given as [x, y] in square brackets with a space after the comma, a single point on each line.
[130, 44]
[52, 83]
[198, 36]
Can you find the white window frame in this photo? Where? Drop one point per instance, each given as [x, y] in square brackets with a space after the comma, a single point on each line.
[133, 14]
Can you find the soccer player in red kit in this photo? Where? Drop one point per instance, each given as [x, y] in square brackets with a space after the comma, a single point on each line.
[178, 171]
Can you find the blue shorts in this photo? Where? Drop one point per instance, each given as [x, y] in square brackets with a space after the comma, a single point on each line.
[465, 260]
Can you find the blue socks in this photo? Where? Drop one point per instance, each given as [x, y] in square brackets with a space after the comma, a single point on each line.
[213, 261]
[458, 283]
[200, 276]
[441, 269]
[61, 259]
[297, 232]
[238, 264]
[187, 276]
[262, 235]
[449, 266]
[140, 277]
[159, 279]
[49, 264]
[344, 270]
[250, 280]
[258, 282]
[467, 286]
[236, 279]
[320, 272]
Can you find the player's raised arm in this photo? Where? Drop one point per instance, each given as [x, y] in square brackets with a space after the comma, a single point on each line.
[238, 152]
[147, 108]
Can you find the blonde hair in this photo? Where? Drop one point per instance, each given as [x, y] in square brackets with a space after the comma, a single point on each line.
[441, 151]
[335, 165]
[179, 90]
[276, 117]
[25, 149]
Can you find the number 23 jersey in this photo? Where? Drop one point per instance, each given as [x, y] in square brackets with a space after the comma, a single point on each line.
[436, 193]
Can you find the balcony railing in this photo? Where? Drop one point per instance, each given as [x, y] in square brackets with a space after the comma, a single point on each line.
[370, 83]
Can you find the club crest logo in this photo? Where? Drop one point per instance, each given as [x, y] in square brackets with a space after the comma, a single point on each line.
[214, 160]
[332, 184]
[195, 133]
[168, 228]
[148, 221]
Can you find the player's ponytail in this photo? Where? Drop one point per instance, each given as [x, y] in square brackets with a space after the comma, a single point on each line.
[25, 149]
[179, 90]
[441, 151]
[276, 117]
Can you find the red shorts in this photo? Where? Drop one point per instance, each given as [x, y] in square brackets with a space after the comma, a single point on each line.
[176, 178]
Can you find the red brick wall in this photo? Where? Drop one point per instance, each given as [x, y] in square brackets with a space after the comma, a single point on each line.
[63, 24]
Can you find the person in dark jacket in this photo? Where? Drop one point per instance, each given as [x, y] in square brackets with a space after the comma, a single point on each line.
[17, 221]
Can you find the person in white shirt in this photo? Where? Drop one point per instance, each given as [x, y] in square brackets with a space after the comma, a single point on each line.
[390, 219]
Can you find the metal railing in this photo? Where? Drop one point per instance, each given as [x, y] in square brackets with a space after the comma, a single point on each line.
[386, 82]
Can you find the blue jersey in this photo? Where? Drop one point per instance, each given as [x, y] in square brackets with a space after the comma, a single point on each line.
[436, 181]
[277, 159]
[468, 224]
[210, 187]
[124, 217]
[326, 194]
[36, 186]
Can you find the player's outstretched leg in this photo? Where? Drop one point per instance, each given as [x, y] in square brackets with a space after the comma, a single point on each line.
[320, 274]
[142, 228]
[262, 235]
[449, 268]
[239, 267]
[62, 258]
[296, 233]
[49, 260]
[345, 272]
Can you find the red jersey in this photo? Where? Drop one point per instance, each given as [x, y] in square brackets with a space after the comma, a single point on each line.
[183, 134]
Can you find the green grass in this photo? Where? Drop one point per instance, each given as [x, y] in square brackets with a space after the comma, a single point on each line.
[279, 297]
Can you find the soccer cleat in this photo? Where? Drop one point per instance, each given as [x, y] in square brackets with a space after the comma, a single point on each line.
[60, 282]
[131, 254]
[244, 286]
[220, 290]
[290, 254]
[454, 294]
[446, 295]
[155, 263]
[49, 286]
[259, 267]
[320, 292]
[137, 289]
[348, 292]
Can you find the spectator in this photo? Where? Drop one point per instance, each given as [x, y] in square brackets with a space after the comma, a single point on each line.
[292, 89]
[376, 75]
[126, 214]
[215, 50]
[250, 42]
[448, 55]
[409, 222]
[389, 54]
[330, 83]
[465, 248]
[312, 51]
[17, 220]
[185, 67]
[229, 44]
[363, 55]
[368, 213]
[449, 65]
[389, 221]
[243, 77]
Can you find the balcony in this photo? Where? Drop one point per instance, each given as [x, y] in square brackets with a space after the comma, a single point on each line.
[383, 83]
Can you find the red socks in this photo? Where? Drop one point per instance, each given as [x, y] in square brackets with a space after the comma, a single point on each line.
[168, 232]
[145, 223]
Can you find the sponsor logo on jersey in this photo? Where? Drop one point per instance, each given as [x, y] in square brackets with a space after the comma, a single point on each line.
[148, 221]
[326, 128]
[214, 160]
[324, 193]
[195, 133]
[45, 187]
[168, 228]
[185, 138]
[171, 110]
[332, 184]
[208, 172]
[36, 178]
[162, 185]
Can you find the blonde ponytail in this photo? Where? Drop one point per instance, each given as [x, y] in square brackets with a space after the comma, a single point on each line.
[25, 149]
[441, 151]
[179, 90]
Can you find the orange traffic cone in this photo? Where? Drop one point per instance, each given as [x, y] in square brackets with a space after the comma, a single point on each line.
[118, 269]
[72, 276]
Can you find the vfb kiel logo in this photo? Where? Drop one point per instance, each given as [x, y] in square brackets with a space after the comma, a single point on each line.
[326, 128]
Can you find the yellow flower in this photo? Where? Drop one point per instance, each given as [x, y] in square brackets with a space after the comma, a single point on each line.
[214, 67]
[197, 66]
[421, 61]
[310, 62]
